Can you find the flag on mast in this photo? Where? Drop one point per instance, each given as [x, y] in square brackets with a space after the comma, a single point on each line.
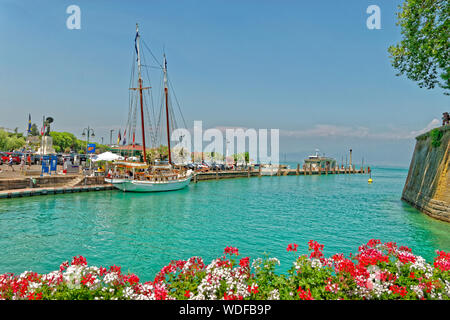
[124, 137]
[119, 138]
[135, 43]
[43, 126]
[29, 123]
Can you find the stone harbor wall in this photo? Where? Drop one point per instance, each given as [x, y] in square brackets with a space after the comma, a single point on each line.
[49, 181]
[427, 186]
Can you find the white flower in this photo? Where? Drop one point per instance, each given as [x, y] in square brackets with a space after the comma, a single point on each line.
[274, 260]
[274, 295]
[315, 263]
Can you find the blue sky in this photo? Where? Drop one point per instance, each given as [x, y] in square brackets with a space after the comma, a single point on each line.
[309, 68]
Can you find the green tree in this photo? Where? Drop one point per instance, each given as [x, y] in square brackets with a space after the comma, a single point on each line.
[423, 54]
[34, 130]
[151, 155]
[100, 148]
[11, 141]
[163, 152]
[63, 140]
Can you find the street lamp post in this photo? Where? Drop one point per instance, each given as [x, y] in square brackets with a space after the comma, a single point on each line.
[110, 136]
[226, 152]
[90, 133]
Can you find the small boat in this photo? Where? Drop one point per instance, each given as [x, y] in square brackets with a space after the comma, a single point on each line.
[141, 176]
[316, 161]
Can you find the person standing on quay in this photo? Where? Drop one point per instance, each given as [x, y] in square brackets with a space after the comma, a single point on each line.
[29, 160]
[10, 162]
[22, 162]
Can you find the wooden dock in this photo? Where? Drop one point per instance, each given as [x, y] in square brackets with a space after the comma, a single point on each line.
[216, 175]
[14, 188]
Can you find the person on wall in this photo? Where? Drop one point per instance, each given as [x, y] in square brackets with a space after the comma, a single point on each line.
[445, 118]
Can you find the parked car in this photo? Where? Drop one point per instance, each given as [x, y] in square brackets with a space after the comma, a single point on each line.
[217, 167]
[229, 167]
[190, 166]
[3, 158]
[15, 157]
[36, 158]
[82, 158]
[202, 167]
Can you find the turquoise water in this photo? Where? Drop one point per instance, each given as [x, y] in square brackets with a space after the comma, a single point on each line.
[143, 232]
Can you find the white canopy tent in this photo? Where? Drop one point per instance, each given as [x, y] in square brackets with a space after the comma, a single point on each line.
[107, 156]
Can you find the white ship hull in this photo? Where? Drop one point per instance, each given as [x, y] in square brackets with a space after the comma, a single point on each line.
[149, 186]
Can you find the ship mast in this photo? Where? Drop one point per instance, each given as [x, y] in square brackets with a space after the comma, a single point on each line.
[140, 92]
[167, 108]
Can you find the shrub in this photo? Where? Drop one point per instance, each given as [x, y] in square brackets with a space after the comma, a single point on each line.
[378, 271]
[436, 136]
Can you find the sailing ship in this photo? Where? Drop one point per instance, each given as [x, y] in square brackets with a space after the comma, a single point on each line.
[140, 176]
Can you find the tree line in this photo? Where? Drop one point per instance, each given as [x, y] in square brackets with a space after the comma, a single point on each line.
[63, 142]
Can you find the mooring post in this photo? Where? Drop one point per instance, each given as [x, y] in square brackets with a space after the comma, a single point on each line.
[259, 171]
[298, 169]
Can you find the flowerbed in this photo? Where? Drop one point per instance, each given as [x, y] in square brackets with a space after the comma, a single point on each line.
[377, 271]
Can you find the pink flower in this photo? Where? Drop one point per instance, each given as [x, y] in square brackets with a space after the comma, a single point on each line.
[79, 261]
[231, 251]
[442, 261]
[398, 290]
[244, 262]
[303, 295]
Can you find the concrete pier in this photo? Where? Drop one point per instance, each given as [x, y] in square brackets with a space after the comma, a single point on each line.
[16, 193]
